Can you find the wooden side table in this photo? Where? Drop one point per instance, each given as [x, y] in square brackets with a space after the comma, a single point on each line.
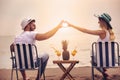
[66, 70]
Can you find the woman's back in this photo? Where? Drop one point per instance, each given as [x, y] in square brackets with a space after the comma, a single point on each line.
[107, 38]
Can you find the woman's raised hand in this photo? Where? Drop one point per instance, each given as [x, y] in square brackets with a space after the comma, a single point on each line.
[68, 24]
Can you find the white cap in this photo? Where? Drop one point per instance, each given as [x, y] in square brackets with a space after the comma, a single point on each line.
[25, 22]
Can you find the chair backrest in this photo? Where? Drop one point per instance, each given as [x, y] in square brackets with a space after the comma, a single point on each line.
[105, 54]
[24, 58]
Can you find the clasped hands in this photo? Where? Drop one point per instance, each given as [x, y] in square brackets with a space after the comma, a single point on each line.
[64, 24]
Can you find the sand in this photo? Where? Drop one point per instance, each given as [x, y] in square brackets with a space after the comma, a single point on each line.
[79, 73]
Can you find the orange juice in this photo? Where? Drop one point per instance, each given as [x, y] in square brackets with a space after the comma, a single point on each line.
[58, 53]
[74, 52]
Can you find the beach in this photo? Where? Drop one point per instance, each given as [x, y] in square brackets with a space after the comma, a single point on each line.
[48, 14]
[82, 71]
[78, 73]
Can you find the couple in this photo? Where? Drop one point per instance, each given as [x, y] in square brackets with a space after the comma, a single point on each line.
[30, 36]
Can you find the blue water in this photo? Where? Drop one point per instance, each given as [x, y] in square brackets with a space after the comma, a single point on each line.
[82, 56]
[82, 43]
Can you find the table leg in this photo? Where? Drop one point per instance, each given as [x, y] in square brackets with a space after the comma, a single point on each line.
[66, 71]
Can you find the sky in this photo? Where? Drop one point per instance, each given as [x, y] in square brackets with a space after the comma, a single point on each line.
[49, 13]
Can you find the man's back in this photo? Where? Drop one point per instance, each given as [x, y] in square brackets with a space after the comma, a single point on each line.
[26, 37]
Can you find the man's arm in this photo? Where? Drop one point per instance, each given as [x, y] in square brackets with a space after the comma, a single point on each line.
[49, 33]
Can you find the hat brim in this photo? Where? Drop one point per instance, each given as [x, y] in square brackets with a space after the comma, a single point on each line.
[109, 25]
[31, 20]
[98, 16]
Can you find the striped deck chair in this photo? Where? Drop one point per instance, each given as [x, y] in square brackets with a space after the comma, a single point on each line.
[105, 55]
[22, 58]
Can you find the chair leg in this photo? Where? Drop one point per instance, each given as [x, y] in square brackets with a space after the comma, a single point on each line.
[43, 75]
[92, 73]
[104, 76]
[17, 74]
[119, 61]
[39, 69]
[12, 74]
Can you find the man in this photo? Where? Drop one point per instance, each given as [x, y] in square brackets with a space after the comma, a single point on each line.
[29, 36]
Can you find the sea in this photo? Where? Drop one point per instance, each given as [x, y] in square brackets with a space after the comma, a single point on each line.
[81, 43]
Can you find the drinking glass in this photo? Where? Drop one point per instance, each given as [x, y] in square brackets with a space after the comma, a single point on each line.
[73, 53]
[58, 53]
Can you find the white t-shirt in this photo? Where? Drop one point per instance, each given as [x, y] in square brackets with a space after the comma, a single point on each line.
[26, 37]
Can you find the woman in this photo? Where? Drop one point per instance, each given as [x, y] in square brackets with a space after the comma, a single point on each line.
[105, 33]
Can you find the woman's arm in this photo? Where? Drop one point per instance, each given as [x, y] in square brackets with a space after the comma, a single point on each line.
[93, 32]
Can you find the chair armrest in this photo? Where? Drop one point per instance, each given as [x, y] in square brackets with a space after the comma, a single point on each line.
[13, 57]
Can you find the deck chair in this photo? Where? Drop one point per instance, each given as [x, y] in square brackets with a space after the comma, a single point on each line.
[105, 55]
[22, 58]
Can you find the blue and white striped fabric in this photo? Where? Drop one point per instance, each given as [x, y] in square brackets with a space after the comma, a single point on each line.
[24, 56]
[105, 56]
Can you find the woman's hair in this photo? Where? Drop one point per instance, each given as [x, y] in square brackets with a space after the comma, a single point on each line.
[112, 36]
[109, 28]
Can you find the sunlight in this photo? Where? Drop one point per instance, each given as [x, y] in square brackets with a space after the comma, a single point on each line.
[65, 29]
[65, 24]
